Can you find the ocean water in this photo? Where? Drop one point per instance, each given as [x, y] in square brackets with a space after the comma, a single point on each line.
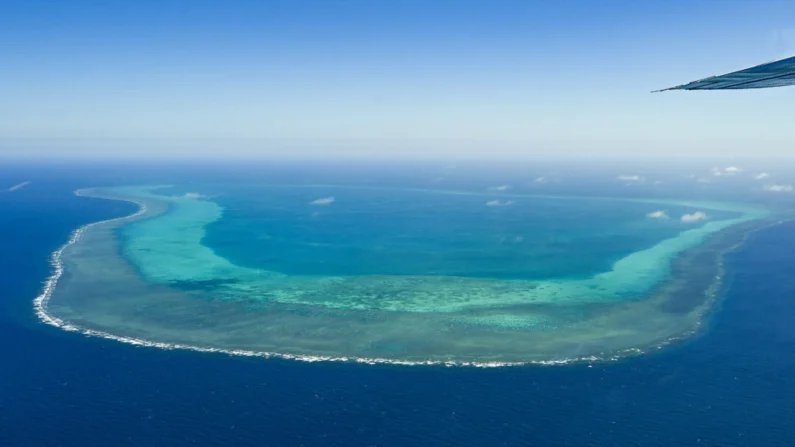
[394, 231]
[730, 385]
[153, 278]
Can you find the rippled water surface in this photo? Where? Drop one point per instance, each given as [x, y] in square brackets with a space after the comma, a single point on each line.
[729, 386]
[403, 275]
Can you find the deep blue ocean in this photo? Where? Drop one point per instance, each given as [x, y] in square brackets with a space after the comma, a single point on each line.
[734, 385]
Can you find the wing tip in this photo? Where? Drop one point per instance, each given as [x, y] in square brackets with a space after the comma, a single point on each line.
[678, 87]
[714, 82]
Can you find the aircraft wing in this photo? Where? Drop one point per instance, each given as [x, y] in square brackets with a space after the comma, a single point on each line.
[772, 74]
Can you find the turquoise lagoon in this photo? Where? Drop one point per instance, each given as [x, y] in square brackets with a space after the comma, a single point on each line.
[396, 275]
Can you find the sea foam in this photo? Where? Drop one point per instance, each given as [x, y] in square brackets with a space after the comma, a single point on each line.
[41, 307]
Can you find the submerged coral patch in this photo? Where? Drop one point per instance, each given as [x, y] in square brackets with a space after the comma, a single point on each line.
[151, 279]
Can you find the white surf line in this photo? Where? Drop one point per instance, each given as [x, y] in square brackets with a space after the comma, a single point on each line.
[41, 302]
[40, 305]
[19, 186]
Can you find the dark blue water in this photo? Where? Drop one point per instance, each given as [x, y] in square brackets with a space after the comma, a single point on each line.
[733, 386]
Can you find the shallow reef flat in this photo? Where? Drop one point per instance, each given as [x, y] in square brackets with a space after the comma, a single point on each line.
[149, 279]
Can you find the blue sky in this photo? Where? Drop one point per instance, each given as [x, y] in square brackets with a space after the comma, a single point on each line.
[389, 78]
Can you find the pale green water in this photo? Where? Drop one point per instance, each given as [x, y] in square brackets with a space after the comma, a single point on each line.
[169, 249]
[171, 287]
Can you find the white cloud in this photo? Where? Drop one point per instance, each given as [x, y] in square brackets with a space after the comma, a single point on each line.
[731, 170]
[704, 180]
[541, 180]
[630, 178]
[18, 186]
[499, 188]
[658, 182]
[659, 214]
[694, 217]
[192, 195]
[779, 188]
[323, 201]
[499, 202]
[762, 176]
